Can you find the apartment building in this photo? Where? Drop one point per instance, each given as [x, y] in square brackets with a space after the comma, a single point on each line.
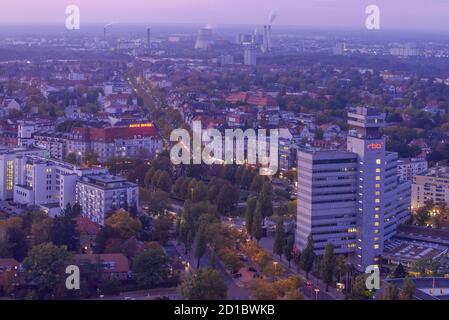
[410, 167]
[8, 169]
[101, 194]
[123, 141]
[47, 183]
[431, 185]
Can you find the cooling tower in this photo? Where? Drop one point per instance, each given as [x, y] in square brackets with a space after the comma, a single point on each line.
[205, 39]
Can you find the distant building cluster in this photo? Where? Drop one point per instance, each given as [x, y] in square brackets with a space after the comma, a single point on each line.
[28, 178]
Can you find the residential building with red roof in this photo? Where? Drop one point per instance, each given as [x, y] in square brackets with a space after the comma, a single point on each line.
[115, 265]
[123, 141]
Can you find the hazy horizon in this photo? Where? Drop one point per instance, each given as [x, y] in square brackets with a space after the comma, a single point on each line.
[400, 15]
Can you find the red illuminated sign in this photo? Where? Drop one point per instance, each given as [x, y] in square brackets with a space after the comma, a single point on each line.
[375, 146]
[140, 125]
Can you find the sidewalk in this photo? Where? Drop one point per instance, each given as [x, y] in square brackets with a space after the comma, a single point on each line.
[267, 244]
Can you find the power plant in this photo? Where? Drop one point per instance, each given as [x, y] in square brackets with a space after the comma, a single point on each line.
[149, 40]
[205, 38]
[105, 30]
[267, 43]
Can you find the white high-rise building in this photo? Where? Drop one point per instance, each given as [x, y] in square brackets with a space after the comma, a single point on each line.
[8, 169]
[355, 210]
[327, 200]
[250, 56]
[409, 168]
[99, 195]
[47, 183]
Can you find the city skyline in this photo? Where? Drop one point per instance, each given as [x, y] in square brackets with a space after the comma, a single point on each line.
[407, 15]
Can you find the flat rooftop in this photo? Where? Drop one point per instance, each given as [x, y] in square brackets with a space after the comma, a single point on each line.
[437, 172]
[406, 251]
[106, 181]
[410, 232]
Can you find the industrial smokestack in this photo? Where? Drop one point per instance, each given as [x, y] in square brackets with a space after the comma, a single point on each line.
[269, 39]
[265, 39]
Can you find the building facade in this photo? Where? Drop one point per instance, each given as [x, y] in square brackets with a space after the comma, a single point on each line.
[100, 195]
[47, 183]
[431, 185]
[352, 199]
[409, 168]
[126, 141]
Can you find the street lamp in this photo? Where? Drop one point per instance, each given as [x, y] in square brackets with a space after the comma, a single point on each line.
[316, 293]
[275, 267]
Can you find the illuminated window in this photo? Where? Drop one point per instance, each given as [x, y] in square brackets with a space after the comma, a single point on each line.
[377, 193]
[9, 175]
[378, 170]
[376, 216]
[377, 185]
[377, 178]
[377, 200]
[376, 238]
[376, 246]
[352, 230]
[376, 231]
[376, 224]
[378, 161]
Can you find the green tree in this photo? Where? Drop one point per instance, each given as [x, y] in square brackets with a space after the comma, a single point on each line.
[249, 213]
[151, 268]
[64, 230]
[307, 257]
[200, 245]
[148, 177]
[71, 158]
[266, 199]
[408, 289]
[204, 284]
[399, 271]
[288, 248]
[159, 202]
[164, 182]
[328, 265]
[91, 158]
[257, 183]
[199, 193]
[422, 216]
[256, 230]
[391, 292]
[45, 266]
[359, 290]
[319, 134]
[227, 198]
[279, 239]
[125, 225]
[161, 229]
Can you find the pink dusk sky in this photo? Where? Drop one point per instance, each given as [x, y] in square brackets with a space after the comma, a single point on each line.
[395, 14]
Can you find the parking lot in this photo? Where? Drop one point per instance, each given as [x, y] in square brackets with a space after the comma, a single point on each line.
[11, 209]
